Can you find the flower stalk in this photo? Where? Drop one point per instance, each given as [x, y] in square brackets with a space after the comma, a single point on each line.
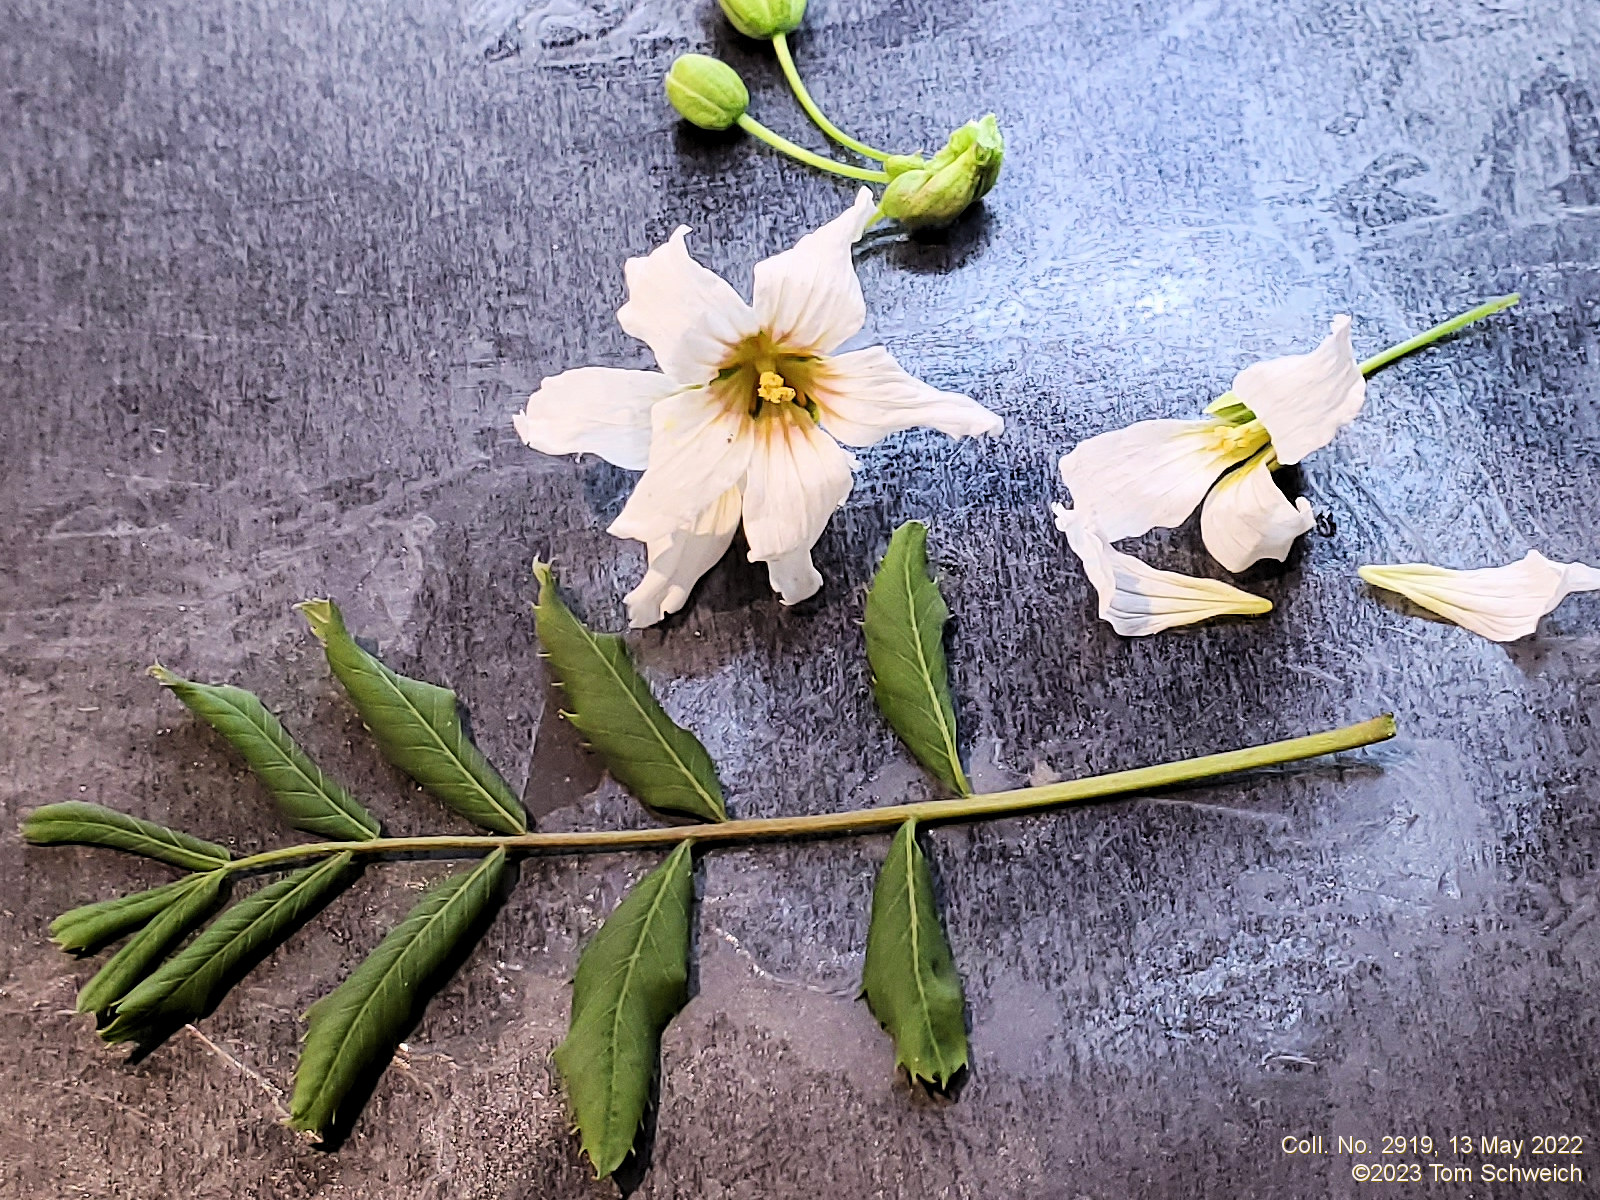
[780, 43]
[800, 154]
[1442, 330]
[858, 821]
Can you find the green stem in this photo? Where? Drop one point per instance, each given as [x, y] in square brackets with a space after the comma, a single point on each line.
[780, 43]
[866, 820]
[1229, 408]
[756, 129]
[1442, 330]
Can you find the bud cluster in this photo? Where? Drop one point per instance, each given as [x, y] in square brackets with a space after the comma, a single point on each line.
[919, 191]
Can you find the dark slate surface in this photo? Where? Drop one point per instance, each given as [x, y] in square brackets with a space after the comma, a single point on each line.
[272, 280]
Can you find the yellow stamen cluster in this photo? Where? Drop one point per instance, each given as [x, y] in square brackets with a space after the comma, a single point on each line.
[1239, 439]
[772, 389]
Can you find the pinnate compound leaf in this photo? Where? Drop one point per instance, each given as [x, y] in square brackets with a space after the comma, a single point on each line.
[309, 799]
[192, 983]
[188, 902]
[353, 1031]
[418, 727]
[86, 929]
[904, 627]
[660, 762]
[632, 980]
[77, 823]
[910, 978]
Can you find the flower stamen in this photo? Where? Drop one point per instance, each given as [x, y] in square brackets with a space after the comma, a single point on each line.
[1243, 439]
[773, 390]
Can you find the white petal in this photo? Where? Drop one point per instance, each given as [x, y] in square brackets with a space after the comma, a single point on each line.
[794, 577]
[808, 298]
[1139, 599]
[699, 448]
[688, 316]
[679, 559]
[865, 396]
[1246, 517]
[1305, 399]
[595, 410]
[1152, 473]
[798, 477]
[1501, 603]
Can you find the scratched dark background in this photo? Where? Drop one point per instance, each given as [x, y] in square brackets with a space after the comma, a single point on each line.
[273, 277]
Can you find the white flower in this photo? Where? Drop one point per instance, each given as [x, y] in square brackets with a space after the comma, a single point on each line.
[1153, 473]
[1501, 603]
[1139, 599]
[745, 418]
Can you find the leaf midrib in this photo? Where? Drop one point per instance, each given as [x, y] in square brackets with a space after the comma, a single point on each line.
[151, 835]
[925, 673]
[913, 934]
[593, 643]
[383, 980]
[254, 923]
[634, 956]
[288, 757]
[392, 682]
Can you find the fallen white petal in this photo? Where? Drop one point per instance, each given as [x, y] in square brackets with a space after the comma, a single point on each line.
[808, 298]
[689, 316]
[1501, 603]
[699, 448]
[1137, 598]
[595, 410]
[793, 576]
[1305, 399]
[865, 395]
[798, 477]
[1150, 474]
[1246, 518]
[679, 559]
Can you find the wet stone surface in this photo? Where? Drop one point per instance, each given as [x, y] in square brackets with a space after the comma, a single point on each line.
[272, 280]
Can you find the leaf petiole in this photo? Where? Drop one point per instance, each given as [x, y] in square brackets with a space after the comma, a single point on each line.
[867, 820]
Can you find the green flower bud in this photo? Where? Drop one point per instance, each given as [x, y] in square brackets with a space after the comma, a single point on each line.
[706, 91]
[764, 18]
[927, 194]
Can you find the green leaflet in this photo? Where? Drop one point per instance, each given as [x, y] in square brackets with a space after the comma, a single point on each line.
[904, 626]
[910, 979]
[311, 801]
[417, 727]
[191, 983]
[84, 930]
[354, 1030]
[633, 977]
[661, 763]
[76, 823]
[189, 902]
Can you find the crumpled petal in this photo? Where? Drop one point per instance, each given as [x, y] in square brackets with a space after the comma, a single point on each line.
[699, 448]
[1501, 603]
[1305, 399]
[1137, 598]
[865, 395]
[1150, 474]
[1246, 518]
[808, 298]
[689, 316]
[798, 477]
[679, 559]
[595, 410]
[793, 576]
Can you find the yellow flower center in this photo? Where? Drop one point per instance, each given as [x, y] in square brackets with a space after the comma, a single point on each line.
[772, 389]
[1241, 440]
